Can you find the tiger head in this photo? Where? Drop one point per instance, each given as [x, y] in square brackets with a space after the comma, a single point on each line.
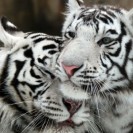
[29, 89]
[98, 52]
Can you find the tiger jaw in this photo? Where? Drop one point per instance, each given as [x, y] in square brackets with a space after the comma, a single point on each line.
[64, 119]
[64, 113]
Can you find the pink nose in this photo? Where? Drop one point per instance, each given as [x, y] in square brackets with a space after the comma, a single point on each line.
[70, 69]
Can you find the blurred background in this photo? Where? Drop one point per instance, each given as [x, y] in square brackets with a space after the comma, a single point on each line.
[45, 15]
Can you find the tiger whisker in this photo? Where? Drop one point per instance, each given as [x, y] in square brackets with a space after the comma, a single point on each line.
[31, 123]
[46, 124]
[110, 93]
[52, 123]
[19, 103]
[35, 124]
[42, 126]
[91, 124]
[23, 115]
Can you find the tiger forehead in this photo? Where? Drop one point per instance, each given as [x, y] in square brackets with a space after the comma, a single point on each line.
[105, 16]
[98, 12]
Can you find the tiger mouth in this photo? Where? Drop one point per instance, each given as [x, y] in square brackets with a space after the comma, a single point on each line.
[72, 105]
[69, 123]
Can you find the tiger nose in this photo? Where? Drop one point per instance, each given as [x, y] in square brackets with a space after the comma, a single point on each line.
[70, 70]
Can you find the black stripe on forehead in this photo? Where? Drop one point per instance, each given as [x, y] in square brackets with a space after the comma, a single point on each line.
[102, 12]
[87, 16]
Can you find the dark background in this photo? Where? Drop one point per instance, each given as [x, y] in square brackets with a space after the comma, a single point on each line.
[45, 15]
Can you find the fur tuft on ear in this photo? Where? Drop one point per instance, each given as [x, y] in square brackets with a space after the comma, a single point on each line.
[9, 33]
[74, 4]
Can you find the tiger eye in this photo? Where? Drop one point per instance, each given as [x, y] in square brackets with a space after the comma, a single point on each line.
[70, 34]
[106, 40]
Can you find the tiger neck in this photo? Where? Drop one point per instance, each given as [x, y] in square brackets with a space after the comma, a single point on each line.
[115, 112]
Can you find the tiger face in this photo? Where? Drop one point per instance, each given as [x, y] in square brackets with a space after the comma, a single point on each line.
[29, 90]
[97, 56]
[62, 115]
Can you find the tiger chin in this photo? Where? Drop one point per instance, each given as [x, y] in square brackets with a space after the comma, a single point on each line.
[30, 99]
[97, 60]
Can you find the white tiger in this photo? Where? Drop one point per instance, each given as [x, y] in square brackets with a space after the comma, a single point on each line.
[30, 100]
[97, 60]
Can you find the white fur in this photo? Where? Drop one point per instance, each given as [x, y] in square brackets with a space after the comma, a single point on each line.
[73, 5]
[84, 50]
[15, 50]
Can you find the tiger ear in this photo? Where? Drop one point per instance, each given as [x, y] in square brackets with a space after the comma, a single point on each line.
[9, 33]
[130, 15]
[74, 4]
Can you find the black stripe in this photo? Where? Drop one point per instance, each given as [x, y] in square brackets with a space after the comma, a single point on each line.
[86, 77]
[57, 40]
[37, 35]
[112, 31]
[97, 26]
[52, 102]
[88, 71]
[116, 53]
[103, 64]
[4, 88]
[108, 18]
[32, 87]
[1, 115]
[128, 47]
[38, 40]
[50, 46]
[129, 126]
[52, 52]
[53, 108]
[123, 32]
[42, 61]
[41, 92]
[114, 90]
[28, 53]
[50, 74]
[15, 82]
[121, 68]
[104, 20]
[33, 74]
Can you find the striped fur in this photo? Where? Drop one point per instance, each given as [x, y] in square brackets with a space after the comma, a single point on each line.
[26, 73]
[99, 48]
[30, 100]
